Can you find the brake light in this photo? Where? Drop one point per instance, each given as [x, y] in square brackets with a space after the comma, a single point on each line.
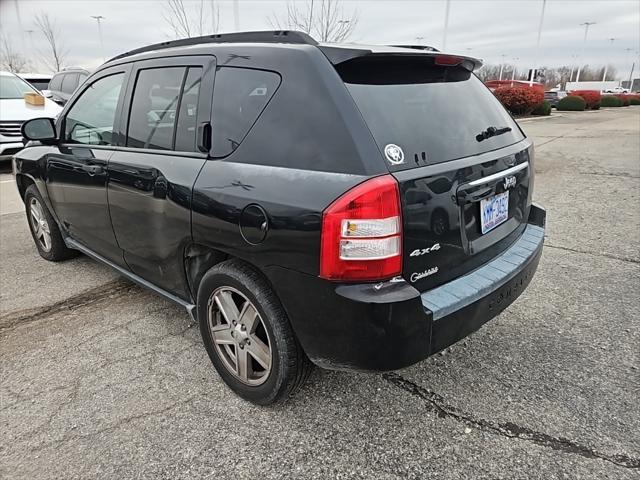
[362, 233]
[447, 60]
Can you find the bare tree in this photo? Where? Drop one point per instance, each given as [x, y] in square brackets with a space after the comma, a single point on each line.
[325, 20]
[11, 59]
[187, 22]
[56, 53]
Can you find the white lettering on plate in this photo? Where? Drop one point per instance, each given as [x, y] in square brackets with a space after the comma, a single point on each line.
[419, 275]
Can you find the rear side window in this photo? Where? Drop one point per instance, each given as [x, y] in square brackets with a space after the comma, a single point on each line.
[433, 113]
[154, 108]
[164, 109]
[56, 82]
[239, 97]
[69, 83]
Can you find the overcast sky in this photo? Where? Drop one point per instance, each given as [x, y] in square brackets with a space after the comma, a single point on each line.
[486, 29]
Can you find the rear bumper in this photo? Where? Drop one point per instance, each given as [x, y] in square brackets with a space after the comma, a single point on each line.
[390, 325]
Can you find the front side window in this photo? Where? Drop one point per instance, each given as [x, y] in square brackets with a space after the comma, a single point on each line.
[92, 117]
[56, 82]
[239, 97]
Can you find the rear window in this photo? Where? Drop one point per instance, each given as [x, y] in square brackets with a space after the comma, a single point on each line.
[433, 113]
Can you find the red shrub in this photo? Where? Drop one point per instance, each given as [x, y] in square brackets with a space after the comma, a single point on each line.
[591, 97]
[626, 99]
[520, 100]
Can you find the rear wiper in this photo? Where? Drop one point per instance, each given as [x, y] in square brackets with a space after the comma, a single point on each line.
[492, 132]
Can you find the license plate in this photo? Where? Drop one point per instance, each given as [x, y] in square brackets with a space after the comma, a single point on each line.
[494, 211]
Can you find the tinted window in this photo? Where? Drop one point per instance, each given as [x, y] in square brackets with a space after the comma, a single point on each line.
[426, 108]
[188, 112]
[69, 82]
[40, 84]
[239, 96]
[154, 107]
[91, 118]
[56, 82]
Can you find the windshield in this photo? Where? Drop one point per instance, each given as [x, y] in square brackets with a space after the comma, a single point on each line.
[433, 113]
[13, 87]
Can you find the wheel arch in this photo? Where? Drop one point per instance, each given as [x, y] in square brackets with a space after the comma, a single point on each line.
[23, 181]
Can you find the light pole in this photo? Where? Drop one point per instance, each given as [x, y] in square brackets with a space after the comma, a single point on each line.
[584, 44]
[606, 65]
[446, 25]
[99, 18]
[626, 62]
[573, 65]
[533, 70]
[513, 71]
[501, 66]
[236, 15]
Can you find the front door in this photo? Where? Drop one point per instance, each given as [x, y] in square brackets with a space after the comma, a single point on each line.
[151, 176]
[76, 174]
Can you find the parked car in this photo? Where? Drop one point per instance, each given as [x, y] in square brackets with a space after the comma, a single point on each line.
[289, 205]
[64, 83]
[14, 110]
[40, 81]
[616, 90]
[554, 96]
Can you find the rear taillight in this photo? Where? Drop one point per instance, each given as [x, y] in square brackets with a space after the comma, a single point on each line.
[362, 233]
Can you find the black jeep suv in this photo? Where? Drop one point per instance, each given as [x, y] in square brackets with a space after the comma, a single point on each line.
[353, 207]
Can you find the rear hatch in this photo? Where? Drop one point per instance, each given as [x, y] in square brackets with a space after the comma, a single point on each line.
[463, 165]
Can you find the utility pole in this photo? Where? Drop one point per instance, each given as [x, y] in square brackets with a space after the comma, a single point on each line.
[606, 65]
[501, 66]
[99, 18]
[513, 71]
[535, 65]
[584, 44]
[446, 25]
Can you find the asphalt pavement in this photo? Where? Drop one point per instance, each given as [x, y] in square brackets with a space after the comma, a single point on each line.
[101, 379]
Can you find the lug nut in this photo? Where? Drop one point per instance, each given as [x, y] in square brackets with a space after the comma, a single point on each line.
[241, 346]
[243, 327]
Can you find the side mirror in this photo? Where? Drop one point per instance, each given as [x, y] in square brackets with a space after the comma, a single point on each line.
[47, 93]
[40, 129]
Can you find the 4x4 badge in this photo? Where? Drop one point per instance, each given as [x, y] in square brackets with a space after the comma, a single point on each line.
[394, 154]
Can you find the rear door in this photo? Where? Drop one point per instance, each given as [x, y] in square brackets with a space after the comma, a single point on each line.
[151, 175]
[463, 165]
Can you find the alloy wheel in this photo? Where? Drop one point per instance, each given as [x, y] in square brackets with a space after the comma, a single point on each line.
[39, 224]
[239, 335]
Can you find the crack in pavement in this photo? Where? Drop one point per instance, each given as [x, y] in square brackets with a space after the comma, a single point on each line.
[611, 174]
[114, 288]
[437, 404]
[606, 255]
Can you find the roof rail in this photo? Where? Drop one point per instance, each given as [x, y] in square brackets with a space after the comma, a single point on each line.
[418, 47]
[267, 36]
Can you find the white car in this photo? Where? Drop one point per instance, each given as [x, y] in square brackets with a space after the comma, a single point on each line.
[617, 90]
[14, 110]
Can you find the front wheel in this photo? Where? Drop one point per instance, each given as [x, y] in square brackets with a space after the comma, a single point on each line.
[44, 229]
[248, 336]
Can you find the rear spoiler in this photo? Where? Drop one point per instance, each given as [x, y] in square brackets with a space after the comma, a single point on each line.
[337, 55]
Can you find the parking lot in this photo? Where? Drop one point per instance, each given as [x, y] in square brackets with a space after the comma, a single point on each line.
[101, 379]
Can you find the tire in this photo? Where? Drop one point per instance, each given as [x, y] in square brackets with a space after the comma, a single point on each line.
[231, 284]
[44, 229]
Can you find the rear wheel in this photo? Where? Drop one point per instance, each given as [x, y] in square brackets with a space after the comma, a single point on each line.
[44, 229]
[248, 336]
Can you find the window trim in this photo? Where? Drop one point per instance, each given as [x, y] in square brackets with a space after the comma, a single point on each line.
[208, 64]
[117, 133]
